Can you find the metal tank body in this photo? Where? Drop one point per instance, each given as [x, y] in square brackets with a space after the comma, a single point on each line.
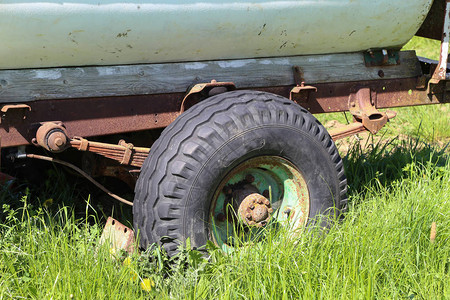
[39, 34]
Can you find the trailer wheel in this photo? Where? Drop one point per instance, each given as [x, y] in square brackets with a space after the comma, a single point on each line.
[237, 162]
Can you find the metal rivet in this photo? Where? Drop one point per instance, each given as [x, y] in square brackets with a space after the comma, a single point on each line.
[249, 178]
[227, 190]
[220, 217]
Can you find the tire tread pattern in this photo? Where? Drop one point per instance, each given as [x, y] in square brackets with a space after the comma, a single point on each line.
[176, 155]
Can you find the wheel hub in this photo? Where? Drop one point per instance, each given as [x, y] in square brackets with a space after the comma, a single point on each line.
[253, 195]
[255, 210]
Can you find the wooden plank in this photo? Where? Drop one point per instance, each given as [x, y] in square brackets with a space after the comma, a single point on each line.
[60, 83]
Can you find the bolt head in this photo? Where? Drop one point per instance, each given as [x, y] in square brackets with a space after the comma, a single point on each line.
[59, 142]
[221, 217]
[227, 190]
[249, 178]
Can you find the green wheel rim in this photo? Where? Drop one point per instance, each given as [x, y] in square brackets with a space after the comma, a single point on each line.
[273, 178]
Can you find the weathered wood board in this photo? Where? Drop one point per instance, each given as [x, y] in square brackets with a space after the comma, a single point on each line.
[62, 83]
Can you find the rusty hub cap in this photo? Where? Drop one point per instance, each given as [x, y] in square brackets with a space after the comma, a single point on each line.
[255, 209]
[52, 136]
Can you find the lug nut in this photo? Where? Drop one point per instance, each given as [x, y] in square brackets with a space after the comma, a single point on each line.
[221, 217]
[227, 190]
[249, 178]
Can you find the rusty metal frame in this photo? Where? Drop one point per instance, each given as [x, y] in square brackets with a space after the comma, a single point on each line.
[202, 90]
[440, 72]
[90, 117]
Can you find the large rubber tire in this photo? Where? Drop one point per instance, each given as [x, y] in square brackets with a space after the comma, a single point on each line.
[193, 154]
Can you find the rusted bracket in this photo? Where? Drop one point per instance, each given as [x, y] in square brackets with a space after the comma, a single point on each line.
[440, 73]
[118, 237]
[383, 57]
[353, 128]
[301, 92]
[21, 109]
[362, 106]
[125, 153]
[201, 91]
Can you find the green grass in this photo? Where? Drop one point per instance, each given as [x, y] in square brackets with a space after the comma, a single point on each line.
[380, 249]
[424, 47]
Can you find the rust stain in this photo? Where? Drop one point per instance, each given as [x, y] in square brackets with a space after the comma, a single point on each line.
[118, 237]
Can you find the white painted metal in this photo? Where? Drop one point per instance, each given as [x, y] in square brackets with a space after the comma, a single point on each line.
[51, 33]
[440, 72]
